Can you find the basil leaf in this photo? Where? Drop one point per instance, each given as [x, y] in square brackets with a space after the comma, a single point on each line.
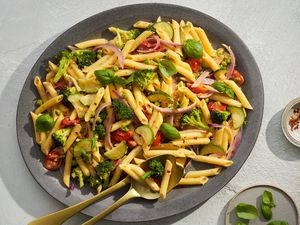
[121, 81]
[169, 131]
[193, 48]
[278, 222]
[240, 223]
[267, 199]
[266, 211]
[167, 68]
[105, 76]
[223, 88]
[246, 211]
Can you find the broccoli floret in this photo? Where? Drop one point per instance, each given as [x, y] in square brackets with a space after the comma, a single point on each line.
[219, 116]
[156, 169]
[66, 92]
[85, 155]
[101, 116]
[60, 136]
[193, 118]
[124, 35]
[77, 173]
[38, 102]
[225, 58]
[85, 57]
[94, 181]
[104, 170]
[64, 58]
[100, 131]
[122, 111]
[143, 78]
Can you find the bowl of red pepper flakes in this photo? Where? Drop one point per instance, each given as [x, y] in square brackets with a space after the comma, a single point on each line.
[290, 121]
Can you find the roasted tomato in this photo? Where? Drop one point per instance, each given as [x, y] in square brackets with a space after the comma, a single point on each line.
[150, 44]
[131, 144]
[216, 106]
[158, 138]
[120, 135]
[198, 90]
[238, 78]
[195, 64]
[53, 160]
[67, 122]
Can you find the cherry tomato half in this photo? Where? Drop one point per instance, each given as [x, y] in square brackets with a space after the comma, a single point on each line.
[67, 122]
[216, 106]
[238, 78]
[53, 160]
[200, 89]
[131, 144]
[150, 44]
[195, 64]
[158, 138]
[120, 135]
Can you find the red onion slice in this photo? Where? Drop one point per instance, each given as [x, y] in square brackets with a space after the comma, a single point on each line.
[111, 119]
[232, 64]
[170, 43]
[115, 49]
[205, 95]
[100, 108]
[236, 142]
[208, 81]
[156, 45]
[72, 47]
[200, 79]
[215, 125]
[174, 111]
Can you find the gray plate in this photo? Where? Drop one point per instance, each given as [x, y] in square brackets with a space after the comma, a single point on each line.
[285, 209]
[180, 199]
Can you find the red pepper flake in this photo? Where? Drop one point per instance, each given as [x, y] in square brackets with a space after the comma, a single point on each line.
[294, 120]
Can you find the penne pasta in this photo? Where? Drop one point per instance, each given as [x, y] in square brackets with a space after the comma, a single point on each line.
[193, 181]
[67, 169]
[91, 43]
[165, 179]
[224, 99]
[203, 173]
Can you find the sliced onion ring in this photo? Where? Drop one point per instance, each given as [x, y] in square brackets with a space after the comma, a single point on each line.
[156, 39]
[174, 111]
[100, 108]
[215, 125]
[200, 79]
[205, 95]
[232, 64]
[236, 142]
[116, 50]
[111, 119]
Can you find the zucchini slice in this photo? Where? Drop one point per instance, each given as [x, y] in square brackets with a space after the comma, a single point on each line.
[161, 97]
[117, 152]
[143, 135]
[85, 144]
[212, 149]
[238, 116]
[166, 27]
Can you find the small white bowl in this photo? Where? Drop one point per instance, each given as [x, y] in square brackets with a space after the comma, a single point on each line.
[292, 136]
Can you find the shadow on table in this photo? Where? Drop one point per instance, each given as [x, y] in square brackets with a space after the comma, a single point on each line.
[278, 143]
[15, 176]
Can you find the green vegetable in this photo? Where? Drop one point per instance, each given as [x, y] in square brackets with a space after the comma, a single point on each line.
[160, 96]
[122, 111]
[267, 199]
[156, 167]
[38, 102]
[85, 144]
[143, 78]
[118, 151]
[240, 223]
[266, 211]
[212, 149]
[85, 57]
[101, 116]
[64, 61]
[219, 116]
[85, 155]
[167, 68]
[105, 76]
[225, 58]
[278, 222]
[165, 27]
[169, 131]
[89, 85]
[246, 211]
[60, 136]
[238, 116]
[143, 135]
[104, 169]
[223, 88]
[193, 48]
[94, 181]
[193, 118]
[66, 92]
[122, 81]
[87, 100]
[124, 35]
[77, 173]
[100, 131]
[44, 123]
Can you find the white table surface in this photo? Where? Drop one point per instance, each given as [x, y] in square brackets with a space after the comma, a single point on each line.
[271, 30]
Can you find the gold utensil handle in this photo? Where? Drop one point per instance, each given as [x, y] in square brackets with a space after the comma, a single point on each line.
[61, 216]
[132, 193]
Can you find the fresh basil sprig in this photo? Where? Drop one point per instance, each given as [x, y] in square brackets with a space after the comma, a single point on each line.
[193, 48]
[278, 222]
[267, 205]
[167, 68]
[108, 77]
[246, 211]
[223, 88]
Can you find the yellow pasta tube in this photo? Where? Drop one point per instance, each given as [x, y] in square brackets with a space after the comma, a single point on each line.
[210, 61]
[127, 169]
[76, 70]
[138, 96]
[40, 88]
[205, 42]
[176, 37]
[72, 137]
[127, 47]
[212, 160]
[184, 72]
[91, 43]
[52, 67]
[201, 173]
[224, 99]
[153, 117]
[143, 36]
[124, 73]
[165, 179]
[142, 24]
[99, 62]
[193, 181]
[67, 169]
[48, 104]
[190, 135]
[138, 161]
[83, 166]
[138, 66]
[157, 123]
[195, 141]
[205, 111]
[239, 93]
[97, 99]
[120, 124]
[37, 134]
[107, 64]
[146, 56]
[163, 35]
[155, 153]
[51, 90]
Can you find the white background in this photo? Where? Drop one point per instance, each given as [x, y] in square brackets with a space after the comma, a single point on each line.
[271, 30]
